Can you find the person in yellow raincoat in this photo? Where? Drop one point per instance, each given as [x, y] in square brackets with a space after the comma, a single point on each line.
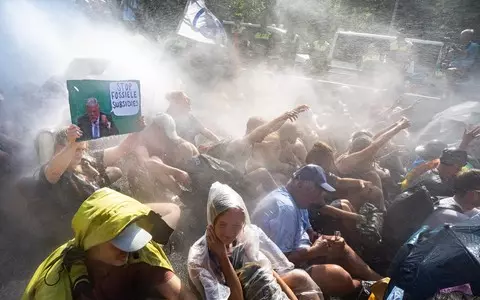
[116, 254]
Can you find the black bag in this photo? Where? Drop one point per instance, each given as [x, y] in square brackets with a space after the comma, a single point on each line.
[204, 170]
[405, 216]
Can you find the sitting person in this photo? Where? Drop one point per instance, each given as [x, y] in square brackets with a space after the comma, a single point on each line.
[116, 254]
[463, 205]
[232, 246]
[438, 175]
[352, 192]
[292, 149]
[72, 174]
[238, 151]
[428, 162]
[360, 160]
[161, 154]
[283, 216]
[188, 126]
[281, 153]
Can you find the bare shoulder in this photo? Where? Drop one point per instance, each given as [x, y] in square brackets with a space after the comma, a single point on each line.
[186, 150]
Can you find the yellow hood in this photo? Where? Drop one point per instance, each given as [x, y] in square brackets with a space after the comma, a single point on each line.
[99, 219]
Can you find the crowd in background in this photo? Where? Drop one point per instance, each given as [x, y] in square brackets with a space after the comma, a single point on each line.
[288, 210]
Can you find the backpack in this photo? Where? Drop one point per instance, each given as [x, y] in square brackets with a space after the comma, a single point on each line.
[204, 170]
[405, 216]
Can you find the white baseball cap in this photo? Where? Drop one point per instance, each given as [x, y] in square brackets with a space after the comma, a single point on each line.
[167, 123]
[132, 238]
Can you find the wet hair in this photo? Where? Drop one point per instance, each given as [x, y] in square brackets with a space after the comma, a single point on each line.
[467, 181]
[60, 137]
[361, 133]
[318, 151]
[360, 143]
[253, 123]
[176, 97]
[453, 156]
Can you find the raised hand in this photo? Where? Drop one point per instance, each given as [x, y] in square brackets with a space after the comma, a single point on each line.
[293, 114]
[470, 135]
[404, 123]
[214, 244]
[73, 133]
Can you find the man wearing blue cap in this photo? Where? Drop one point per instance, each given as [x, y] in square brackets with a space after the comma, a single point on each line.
[283, 216]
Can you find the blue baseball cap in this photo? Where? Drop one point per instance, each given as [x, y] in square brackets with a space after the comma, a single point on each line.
[315, 174]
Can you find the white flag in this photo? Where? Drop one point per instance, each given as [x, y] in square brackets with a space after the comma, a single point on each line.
[201, 25]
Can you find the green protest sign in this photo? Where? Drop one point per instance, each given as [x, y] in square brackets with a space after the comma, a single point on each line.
[104, 108]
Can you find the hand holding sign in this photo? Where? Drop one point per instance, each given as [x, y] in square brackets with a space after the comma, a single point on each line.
[73, 133]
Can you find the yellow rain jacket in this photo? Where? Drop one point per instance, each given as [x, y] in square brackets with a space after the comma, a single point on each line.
[98, 220]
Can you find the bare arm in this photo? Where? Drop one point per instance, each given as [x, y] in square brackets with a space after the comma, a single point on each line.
[285, 288]
[209, 135]
[349, 183]
[383, 131]
[113, 154]
[350, 161]
[300, 152]
[259, 133]
[60, 162]
[338, 213]
[468, 137]
[233, 282]
[218, 249]
[168, 175]
[303, 255]
[154, 164]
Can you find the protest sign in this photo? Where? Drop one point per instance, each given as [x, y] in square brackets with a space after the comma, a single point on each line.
[104, 108]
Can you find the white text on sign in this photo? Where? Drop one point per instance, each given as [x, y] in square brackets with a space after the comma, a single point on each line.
[125, 98]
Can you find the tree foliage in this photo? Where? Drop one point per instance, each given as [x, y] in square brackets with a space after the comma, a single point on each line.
[427, 19]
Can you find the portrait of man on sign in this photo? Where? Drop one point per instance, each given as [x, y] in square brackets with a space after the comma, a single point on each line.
[96, 124]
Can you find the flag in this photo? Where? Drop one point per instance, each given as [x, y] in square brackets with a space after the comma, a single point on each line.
[201, 25]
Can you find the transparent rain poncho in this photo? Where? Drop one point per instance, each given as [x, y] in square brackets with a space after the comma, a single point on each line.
[254, 256]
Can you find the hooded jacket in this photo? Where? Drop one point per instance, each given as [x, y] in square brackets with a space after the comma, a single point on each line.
[252, 243]
[98, 220]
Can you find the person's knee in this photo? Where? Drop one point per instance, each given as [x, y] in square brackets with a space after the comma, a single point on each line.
[333, 279]
[298, 278]
[346, 205]
[173, 209]
[376, 197]
[166, 209]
